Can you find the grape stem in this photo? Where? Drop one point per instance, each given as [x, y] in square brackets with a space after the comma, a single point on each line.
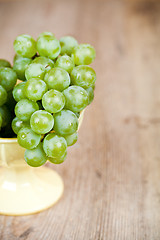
[36, 55]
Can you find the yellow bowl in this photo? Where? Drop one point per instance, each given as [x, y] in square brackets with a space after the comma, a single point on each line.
[23, 189]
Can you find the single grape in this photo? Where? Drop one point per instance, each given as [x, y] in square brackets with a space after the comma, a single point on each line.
[46, 62]
[17, 124]
[54, 145]
[53, 101]
[41, 122]
[35, 89]
[25, 108]
[83, 76]
[27, 138]
[65, 122]
[3, 96]
[20, 66]
[59, 159]
[90, 92]
[76, 98]
[68, 44]
[35, 157]
[35, 70]
[48, 46]
[84, 54]
[57, 79]
[46, 34]
[65, 62]
[19, 92]
[4, 63]
[71, 139]
[6, 116]
[25, 46]
[8, 78]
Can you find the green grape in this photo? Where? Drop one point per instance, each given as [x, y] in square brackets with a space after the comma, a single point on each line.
[48, 46]
[35, 70]
[84, 54]
[57, 79]
[41, 122]
[46, 62]
[8, 78]
[90, 92]
[59, 159]
[65, 62]
[27, 138]
[4, 63]
[71, 139]
[83, 76]
[19, 92]
[20, 66]
[65, 123]
[53, 101]
[46, 34]
[25, 46]
[76, 98]
[3, 96]
[1, 120]
[35, 89]
[25, 108]
[17, 124]
[6, 116]
[35, 157]
[68, 44]
[54, 145]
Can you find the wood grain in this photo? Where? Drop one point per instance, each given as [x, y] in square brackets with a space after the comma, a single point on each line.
[112, 175]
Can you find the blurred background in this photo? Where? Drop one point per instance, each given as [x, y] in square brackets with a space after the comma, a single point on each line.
[112, 174]
[61, 17]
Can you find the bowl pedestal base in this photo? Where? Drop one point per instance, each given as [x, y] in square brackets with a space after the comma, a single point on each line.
[25, 190]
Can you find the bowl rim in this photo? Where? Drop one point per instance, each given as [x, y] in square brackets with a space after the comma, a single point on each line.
[8, 140]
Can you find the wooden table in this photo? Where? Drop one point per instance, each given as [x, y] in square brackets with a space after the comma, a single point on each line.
[112, 175]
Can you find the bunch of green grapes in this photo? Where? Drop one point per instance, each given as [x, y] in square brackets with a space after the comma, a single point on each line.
[56, 85]
[8, 79]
